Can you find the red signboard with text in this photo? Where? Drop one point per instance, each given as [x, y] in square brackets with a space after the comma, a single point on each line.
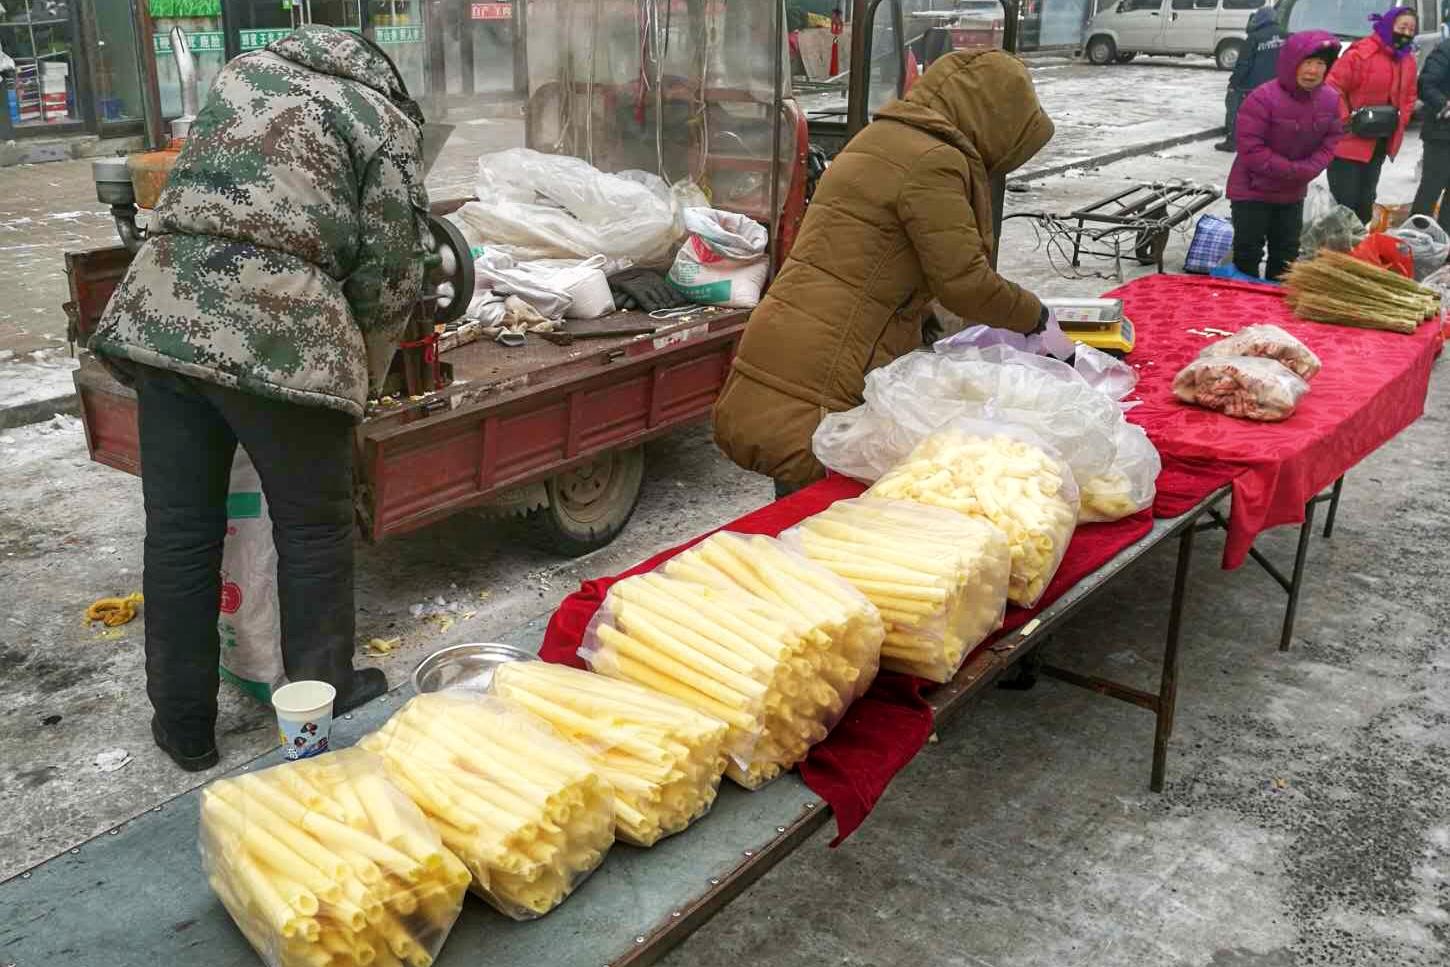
[491, 11]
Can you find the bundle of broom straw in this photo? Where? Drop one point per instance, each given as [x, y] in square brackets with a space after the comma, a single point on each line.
[1338, 288]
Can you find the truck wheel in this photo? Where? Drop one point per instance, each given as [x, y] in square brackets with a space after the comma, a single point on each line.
[1101, 51]
[1227, 54]
[589, 505]
[1126, 56]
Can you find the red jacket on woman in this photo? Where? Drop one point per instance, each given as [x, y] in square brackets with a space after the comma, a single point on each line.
[1369, 75]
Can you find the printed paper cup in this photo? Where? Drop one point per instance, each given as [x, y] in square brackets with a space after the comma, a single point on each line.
[304, 717]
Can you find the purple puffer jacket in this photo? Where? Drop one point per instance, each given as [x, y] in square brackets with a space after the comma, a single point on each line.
[1286, 136]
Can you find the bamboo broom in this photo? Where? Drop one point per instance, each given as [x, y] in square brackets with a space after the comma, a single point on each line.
[1338, 288]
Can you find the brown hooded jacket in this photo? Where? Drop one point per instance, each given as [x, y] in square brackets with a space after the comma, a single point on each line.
[902, 216]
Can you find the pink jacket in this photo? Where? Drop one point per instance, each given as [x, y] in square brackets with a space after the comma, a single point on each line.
[1285, 135]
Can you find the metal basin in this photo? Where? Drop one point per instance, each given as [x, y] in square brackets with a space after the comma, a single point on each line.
[466, 668]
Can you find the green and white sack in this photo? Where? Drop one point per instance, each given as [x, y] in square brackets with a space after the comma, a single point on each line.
[250, 621]
[723, 261]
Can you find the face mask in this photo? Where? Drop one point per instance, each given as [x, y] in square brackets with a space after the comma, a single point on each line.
[1401, 41]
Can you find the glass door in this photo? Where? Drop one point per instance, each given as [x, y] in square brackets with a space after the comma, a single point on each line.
[41, 36]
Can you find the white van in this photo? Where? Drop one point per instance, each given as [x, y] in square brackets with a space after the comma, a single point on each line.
[1123, 29]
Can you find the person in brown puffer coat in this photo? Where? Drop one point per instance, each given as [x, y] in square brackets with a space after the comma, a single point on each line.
[902, 216]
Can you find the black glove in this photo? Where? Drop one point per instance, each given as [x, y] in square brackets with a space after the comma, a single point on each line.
[645, 290]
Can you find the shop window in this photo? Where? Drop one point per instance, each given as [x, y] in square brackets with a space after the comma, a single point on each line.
[39, 36]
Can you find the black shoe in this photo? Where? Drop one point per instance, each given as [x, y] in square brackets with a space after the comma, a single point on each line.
[367, 684]
[193, 758]
[1225, 146]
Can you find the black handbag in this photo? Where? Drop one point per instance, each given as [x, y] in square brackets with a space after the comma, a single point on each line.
[1377, 121]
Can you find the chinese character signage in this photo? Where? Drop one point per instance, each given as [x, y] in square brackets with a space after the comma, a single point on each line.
[399, 35]
[491, 11]
[200, 42]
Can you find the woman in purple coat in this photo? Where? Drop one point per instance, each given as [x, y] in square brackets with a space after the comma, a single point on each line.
[1286, 133]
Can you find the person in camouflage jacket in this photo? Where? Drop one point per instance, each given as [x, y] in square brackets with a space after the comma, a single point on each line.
[283, 259]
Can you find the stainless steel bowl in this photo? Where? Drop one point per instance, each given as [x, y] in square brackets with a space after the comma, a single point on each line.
[467, 668]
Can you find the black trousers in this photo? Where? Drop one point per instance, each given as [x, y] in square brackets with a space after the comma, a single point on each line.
[189, 433]
[1260, 223]
[1354, 183]
[1434, 180]
[1232, 101]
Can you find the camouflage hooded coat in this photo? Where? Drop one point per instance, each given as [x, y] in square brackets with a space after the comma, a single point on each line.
[286, 250]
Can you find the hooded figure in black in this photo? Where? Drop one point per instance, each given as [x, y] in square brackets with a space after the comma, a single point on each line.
[1256, 65]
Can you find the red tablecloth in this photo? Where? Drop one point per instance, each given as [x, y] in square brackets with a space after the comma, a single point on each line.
[1372, 386]
[885, 729]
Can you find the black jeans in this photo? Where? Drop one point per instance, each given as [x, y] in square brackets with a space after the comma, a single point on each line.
[189, 432]
[1354, 183]
[1257, 223]
[1434, 179]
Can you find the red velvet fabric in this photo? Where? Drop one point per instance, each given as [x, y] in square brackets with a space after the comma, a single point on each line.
[1371, 387]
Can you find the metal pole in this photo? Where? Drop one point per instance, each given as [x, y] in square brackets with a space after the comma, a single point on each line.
[520, 12]
[1168, 686]
[1296, 583]
[150, 82]
[777, 112]
[1333, 508]
[1012, 8]
[859, 75]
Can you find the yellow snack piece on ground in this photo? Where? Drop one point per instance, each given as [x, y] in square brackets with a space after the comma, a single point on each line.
[323, 862]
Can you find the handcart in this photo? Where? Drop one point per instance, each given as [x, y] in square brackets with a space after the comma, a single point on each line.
[1136, 221]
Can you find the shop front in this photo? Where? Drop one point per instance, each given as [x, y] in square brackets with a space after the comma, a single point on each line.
[218, 30]
[70, 68]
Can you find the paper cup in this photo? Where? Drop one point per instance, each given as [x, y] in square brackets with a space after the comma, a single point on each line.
[304, 717]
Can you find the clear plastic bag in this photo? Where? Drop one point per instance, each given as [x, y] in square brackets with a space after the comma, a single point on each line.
[1429, 244]
[1270, 342]
[744, 629]
[1112, 377]
[324, 861]
[1052, 341]
[1338, 229]
[663, 758]
[939, 578]
[524, 810]
[1130, 484]
[1004, 475]
[534, 205]
[1247, 387]
[917, 394]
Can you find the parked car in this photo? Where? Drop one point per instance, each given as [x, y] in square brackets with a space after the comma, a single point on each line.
[1126, 28]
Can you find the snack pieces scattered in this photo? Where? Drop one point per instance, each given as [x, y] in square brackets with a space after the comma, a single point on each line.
[742, 629]
[1268, 342]
[939, 578]
[323, 862]
[523, 809]
[1248, 387]
[1005, 480]
[663, 758]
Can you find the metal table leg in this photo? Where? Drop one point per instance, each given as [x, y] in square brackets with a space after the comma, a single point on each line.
[1168, 685]
[1296, 583]
[1162, 703]
[1333, 508]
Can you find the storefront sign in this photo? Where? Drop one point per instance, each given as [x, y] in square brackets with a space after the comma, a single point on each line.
[398, 35]
[492, 11]
[257, 39]
[200, 42]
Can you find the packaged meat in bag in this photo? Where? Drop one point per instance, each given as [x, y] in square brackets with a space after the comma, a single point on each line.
[1270, 342]
[1248, 387]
